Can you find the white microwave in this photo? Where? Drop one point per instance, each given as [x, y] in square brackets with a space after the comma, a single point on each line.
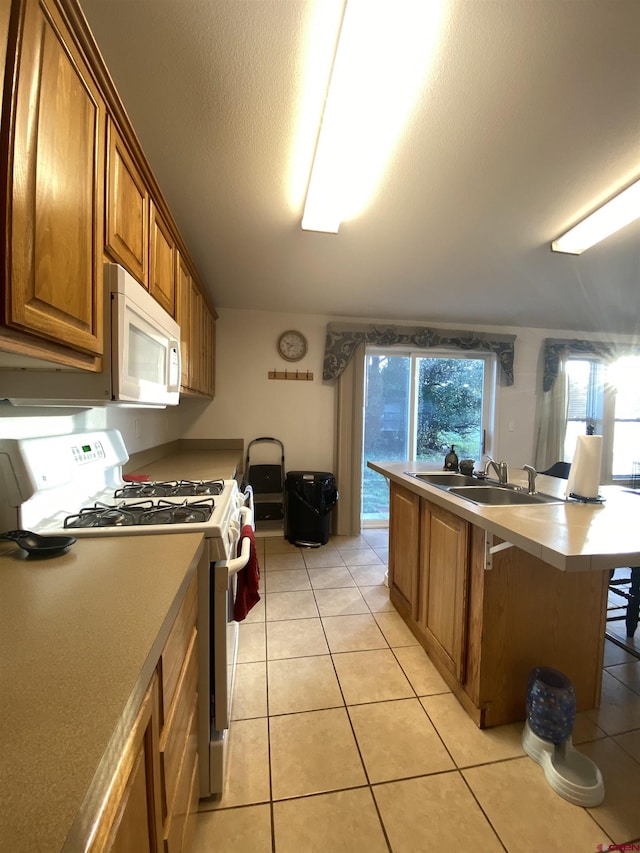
[145, 344]
[141, 358]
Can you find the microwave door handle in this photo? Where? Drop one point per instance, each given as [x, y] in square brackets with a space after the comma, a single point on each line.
[174, 346]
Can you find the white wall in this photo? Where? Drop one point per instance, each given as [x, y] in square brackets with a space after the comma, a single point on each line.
[301, 414]
[248, 404]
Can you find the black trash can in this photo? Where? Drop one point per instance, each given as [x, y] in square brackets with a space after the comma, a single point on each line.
[309, 498]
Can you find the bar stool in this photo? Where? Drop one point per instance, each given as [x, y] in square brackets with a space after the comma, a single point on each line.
[626, 587]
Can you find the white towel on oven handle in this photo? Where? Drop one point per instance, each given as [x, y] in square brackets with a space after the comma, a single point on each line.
[238, 563]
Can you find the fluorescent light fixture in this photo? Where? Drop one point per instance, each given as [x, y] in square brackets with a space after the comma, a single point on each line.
[383, 54]
[606, 220]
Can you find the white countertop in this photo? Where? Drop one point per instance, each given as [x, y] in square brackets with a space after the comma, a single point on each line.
[570, 536]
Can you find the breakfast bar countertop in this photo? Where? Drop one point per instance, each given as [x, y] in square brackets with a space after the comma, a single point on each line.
[568, 535]
[81, 634]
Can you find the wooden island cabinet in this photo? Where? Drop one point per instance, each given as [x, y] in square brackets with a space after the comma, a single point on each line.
[404, 526]
[486, 619]
[443, 587]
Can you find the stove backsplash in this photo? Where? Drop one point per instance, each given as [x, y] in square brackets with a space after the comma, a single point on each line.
[8, 514]
[140, 428]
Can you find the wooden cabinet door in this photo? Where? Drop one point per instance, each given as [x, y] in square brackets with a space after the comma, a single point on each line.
[5, 9]
[444, 585]
[197, 333]
[130, 820]
[162, 262]
[56, 192]
[208, 351]
[197, 309]
[184, 283]
[127, 232]
[132, 834]
[404, 529]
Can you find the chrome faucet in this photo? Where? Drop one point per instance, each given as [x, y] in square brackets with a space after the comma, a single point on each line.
[532, 474]
[501, 469]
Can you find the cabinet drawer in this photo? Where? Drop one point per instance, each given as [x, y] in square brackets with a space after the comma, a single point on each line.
[176, 731]
[179, 824]
[175, 649]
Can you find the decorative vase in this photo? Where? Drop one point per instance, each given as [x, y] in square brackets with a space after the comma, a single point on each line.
[551, 704]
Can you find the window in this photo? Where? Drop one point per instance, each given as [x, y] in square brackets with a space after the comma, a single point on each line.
[416, 407]
[606, 397]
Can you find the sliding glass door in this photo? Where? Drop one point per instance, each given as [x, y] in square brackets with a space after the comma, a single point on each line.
[416, 407]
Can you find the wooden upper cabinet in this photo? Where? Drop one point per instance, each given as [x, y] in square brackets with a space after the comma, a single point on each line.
[195, 337]
[162, 270]
[5, 9]
[127, 220]
[197, 334]
[184, 282]
[210, 355]
[56, 189]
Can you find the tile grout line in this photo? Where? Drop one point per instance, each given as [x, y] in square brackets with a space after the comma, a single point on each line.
[370, 785]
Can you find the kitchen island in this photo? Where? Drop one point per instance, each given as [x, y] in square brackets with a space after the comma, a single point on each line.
[492, 591]
[82, 635]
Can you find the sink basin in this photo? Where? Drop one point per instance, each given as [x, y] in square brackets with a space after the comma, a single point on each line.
[446, 480]
[498, 496]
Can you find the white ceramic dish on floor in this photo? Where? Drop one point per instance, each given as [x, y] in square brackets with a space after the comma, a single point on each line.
[570, 773]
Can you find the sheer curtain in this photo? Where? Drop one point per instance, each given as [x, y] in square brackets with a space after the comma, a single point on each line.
[552, 419]
[344, 361]
[348, 444]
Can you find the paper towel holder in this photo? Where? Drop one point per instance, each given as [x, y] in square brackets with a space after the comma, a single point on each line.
[597, 500]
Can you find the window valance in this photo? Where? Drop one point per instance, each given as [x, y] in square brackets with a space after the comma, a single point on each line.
[343, 338]
[555, 348]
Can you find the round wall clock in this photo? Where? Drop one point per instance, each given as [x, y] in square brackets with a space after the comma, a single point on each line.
[292, 345]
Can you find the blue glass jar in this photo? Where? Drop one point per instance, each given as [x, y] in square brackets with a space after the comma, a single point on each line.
[551, 704]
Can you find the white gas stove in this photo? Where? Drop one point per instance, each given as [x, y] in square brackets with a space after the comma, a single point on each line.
[73, 485]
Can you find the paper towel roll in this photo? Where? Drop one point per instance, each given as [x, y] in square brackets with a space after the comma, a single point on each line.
[584, 476]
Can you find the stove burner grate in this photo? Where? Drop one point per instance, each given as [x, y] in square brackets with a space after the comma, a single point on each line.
[184, 513]
[173, 488]
[108, 515]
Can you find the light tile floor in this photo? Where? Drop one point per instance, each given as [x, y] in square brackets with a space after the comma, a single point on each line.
[345, 737]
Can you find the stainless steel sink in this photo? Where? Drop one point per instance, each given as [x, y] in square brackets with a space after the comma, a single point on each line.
[500, 496]
[446, 480]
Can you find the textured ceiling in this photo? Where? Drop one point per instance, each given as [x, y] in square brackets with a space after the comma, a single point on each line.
[529, 119]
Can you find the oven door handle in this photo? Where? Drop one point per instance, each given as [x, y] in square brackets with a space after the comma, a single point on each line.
[243, 516]
[236, 564]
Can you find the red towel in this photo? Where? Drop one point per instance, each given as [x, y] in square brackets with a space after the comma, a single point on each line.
[248, 578]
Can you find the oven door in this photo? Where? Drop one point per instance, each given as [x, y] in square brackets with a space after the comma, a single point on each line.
[224, 644]
[218, 639]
